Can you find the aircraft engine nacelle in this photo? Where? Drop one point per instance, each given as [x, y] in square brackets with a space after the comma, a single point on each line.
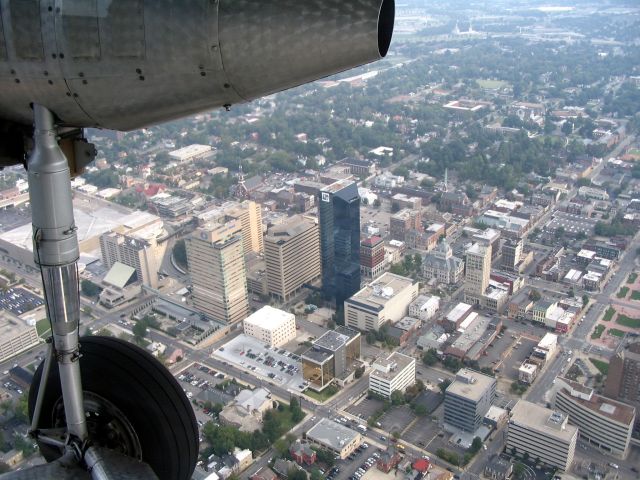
[125, 64]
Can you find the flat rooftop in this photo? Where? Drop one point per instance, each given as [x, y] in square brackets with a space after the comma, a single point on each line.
[328, 432]
[544, 420]
[388, 368]
[607, 407]
[317, 355]
[376, 295]
[334, 339]
[470, 384]
[269, 318]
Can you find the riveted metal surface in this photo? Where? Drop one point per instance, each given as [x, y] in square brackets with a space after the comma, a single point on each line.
[124, 64]
[269, 46]
[25, 23]
[80, 29]
[3, 43]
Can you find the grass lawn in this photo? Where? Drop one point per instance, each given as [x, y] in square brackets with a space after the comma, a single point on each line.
[42, 326]
[608, 315]
[597, 332]
[628, 321]
[632, 277]
[491, 83]
[603, 367]
[322, 396]
[622, 292]
[615, 332]
[635, 295]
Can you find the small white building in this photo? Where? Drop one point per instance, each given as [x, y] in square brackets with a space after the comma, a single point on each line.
[527, 372]
[424, 307]
[271, 325]
[396, 372]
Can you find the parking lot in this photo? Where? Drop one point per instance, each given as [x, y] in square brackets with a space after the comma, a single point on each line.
[366, 408]
[509, 368]
[357, 460]
[495, 351]
[397, 419]
[19, 301]
[422, 433]
[272, 363]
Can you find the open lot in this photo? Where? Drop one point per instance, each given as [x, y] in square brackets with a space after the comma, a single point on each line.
[366, 408]
[496, 350]
[276, 364]
[422, 433]
[511, 364]
[397, 419]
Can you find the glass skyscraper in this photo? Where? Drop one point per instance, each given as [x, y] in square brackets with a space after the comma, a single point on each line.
[339, 218]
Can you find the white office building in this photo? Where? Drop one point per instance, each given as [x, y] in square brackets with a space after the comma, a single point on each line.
[396, 372]
[271, 325]
[541, 433]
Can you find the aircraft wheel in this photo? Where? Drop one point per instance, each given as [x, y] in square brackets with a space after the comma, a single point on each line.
[132, 403]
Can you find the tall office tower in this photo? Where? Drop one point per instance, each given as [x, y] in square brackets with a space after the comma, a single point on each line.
[478, 271]
[249, 216]
[372, 257]
[511, 253]
[292, 255]
[216, 265]
[339, 214]
[135, 243]
[623, 380]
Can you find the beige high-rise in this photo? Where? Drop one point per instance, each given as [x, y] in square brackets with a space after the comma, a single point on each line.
[292, 255]
[135, 243]
[249, 216]
[216, 265]
[477, 273]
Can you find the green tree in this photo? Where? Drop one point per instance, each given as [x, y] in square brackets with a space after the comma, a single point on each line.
[316, 475]
[21, 408]
[417, 262]
[420, 410]
[444, 385]
[397, 398]
[518, 471]
[585, 300]
[534, 295]
[139, 331]
[430, 357]
[296, 474]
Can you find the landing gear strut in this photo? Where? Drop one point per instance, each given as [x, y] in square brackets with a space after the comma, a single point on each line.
[122, 409]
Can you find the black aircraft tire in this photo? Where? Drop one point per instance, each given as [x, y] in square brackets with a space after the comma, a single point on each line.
[141, 396]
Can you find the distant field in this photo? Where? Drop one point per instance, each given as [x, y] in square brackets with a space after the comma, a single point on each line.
[603, 367]
[491, 84]
[634, 151]
[615, 332]
[628, 321]
[608, 314]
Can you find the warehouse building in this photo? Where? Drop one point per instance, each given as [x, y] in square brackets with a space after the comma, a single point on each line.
[334, 437]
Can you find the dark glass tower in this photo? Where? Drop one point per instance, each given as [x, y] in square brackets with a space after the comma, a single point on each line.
[339, 216]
